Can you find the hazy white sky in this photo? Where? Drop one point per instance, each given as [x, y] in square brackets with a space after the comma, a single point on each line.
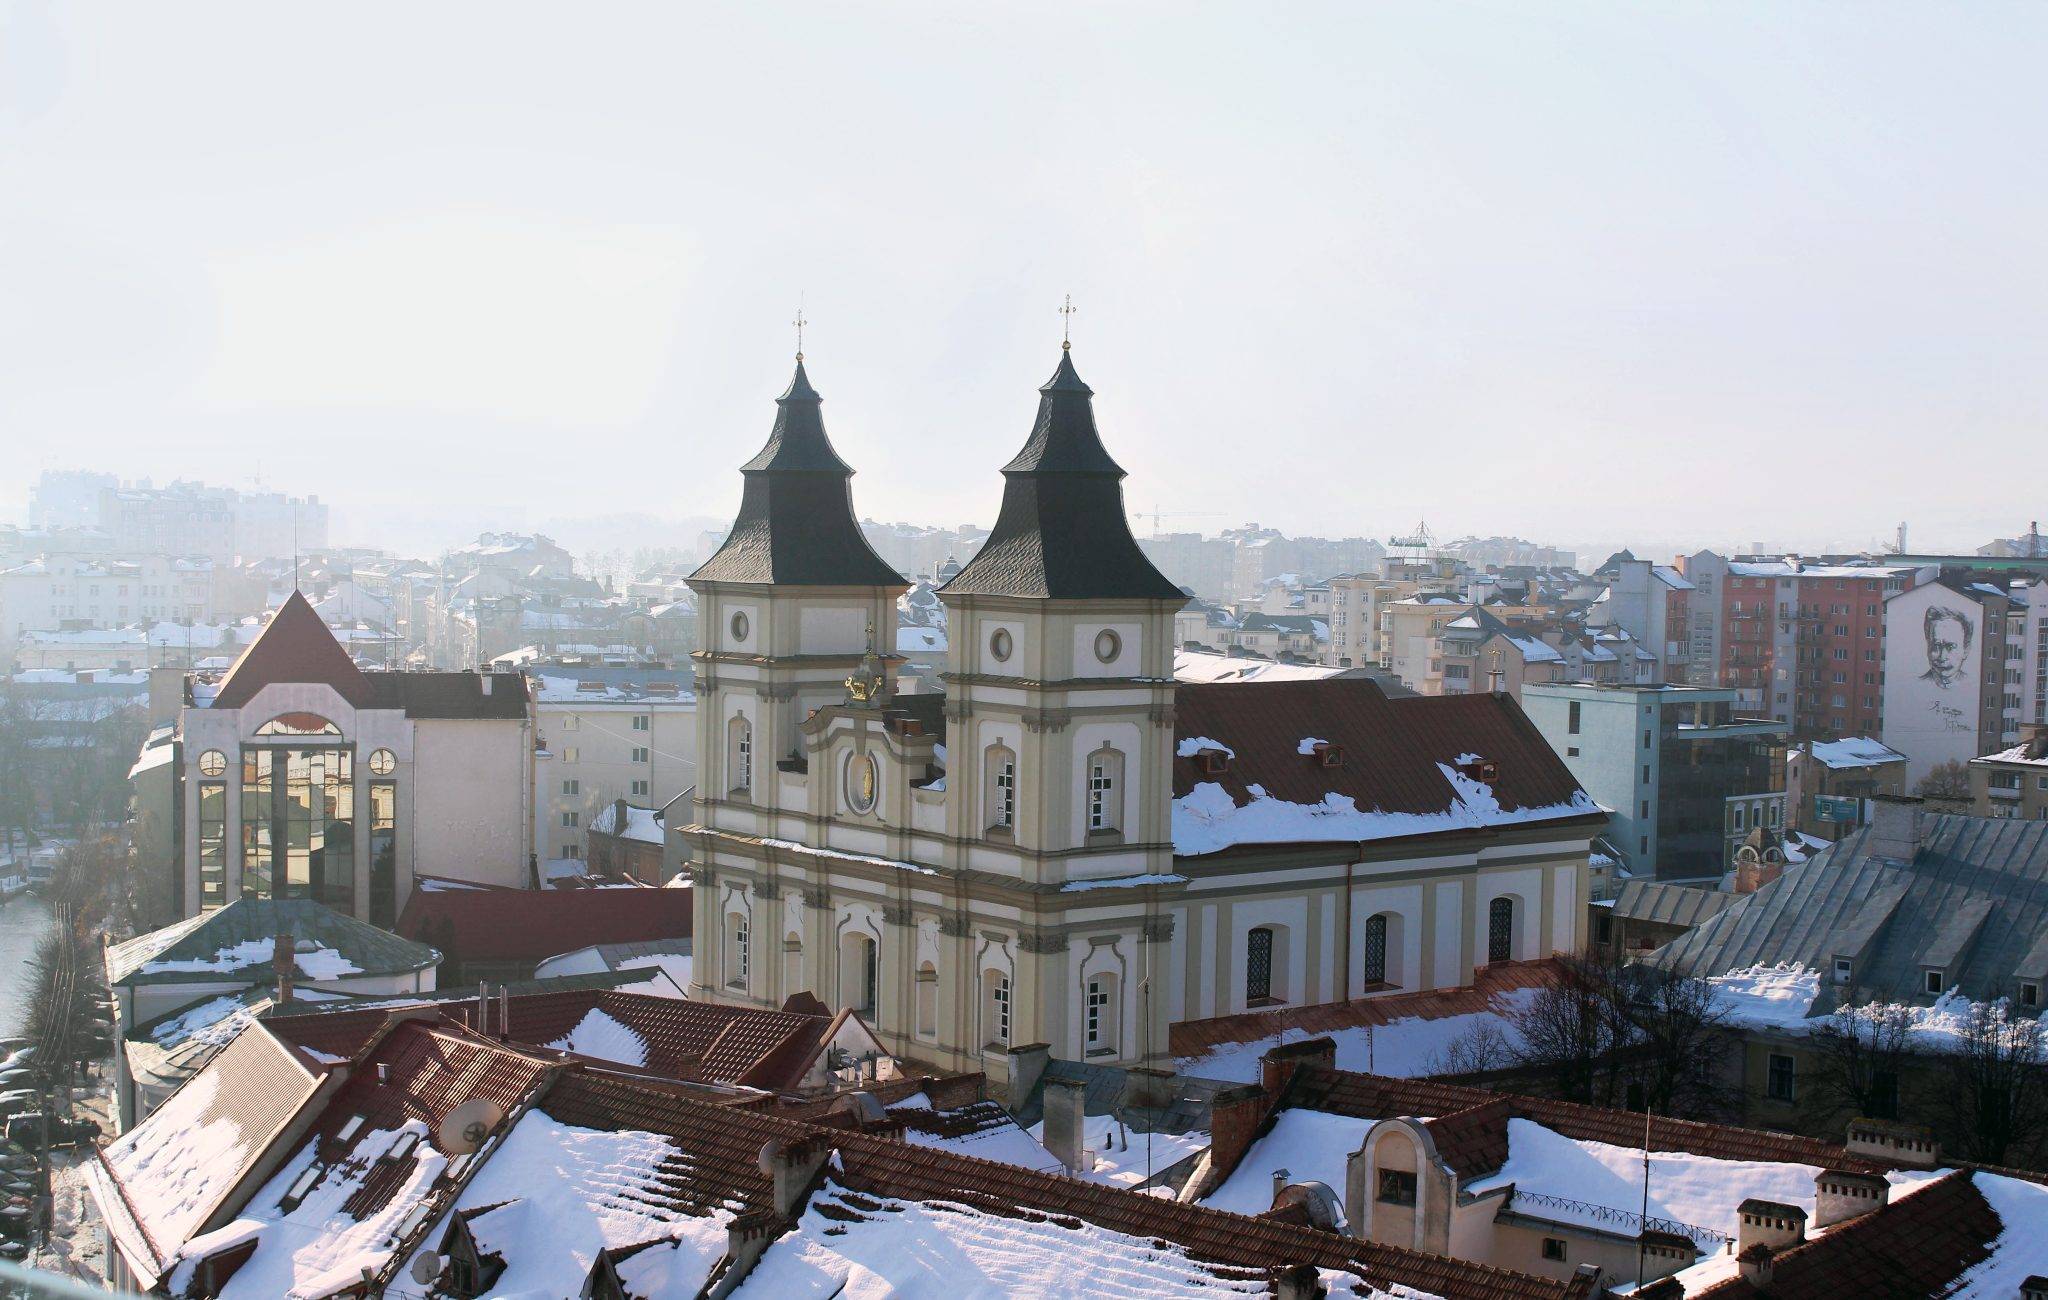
[1663, 272]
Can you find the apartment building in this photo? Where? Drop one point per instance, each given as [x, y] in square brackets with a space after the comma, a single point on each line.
[1670, 761]
[607, 734]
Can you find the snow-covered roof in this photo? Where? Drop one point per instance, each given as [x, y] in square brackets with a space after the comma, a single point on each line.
[920, 640]
[1854, 751]
[1197, 666]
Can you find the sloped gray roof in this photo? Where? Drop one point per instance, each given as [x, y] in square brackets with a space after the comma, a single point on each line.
[203, 938]
[1973, 901]
[1665, 904]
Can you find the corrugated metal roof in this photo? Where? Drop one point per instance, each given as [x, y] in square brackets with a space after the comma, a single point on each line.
[1894, 918]
[1663, 904]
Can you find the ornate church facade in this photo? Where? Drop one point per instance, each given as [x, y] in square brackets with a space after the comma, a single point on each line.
[997, 866]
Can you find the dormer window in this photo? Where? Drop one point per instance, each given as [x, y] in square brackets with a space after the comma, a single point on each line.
[1934, 983]
[1328, 755]
[1212, 762]
[1479, 769]
[1843, 970]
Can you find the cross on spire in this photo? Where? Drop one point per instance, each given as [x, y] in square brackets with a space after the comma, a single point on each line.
[800, 322]
[1067, 326]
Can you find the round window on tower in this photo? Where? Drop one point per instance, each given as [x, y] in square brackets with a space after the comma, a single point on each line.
[383, 762]
[213, 763]
[1108, 645]
[861, 782]
[739, 626]
[999, 645]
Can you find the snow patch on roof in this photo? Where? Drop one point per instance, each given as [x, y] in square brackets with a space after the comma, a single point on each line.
[863, 1250]
[1193, 745]
[314, 960]
[1207, 819]
[598, 1035]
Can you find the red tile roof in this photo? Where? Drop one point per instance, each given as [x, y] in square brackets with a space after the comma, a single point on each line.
[529, 925]
[1194, 1037]
[1393, 749]
[1916, 1247]
[295, 646]
[1368, 1096]
[724, 1143]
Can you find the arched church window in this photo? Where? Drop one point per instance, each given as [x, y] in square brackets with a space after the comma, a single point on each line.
[1500, 929]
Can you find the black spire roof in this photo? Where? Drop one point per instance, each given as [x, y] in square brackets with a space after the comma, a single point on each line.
[1062, 533]
[796, 525]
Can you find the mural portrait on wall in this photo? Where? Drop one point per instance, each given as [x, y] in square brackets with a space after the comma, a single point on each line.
[1949, 633]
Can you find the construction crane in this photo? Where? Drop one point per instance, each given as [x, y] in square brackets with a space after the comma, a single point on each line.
[1156, 515]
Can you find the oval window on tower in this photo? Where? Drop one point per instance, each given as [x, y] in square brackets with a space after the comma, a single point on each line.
[213, 763]
[861, 782]
[999, 645]
[1108, 645]
[383, 762]
[739, 626]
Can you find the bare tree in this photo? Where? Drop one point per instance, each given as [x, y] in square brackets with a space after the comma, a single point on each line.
[1950, 780]
[1996, 1090]
[1678, 1043]
[1568, 1033]
[1864, 1052]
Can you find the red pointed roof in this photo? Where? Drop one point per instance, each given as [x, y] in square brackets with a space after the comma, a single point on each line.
[296, 646]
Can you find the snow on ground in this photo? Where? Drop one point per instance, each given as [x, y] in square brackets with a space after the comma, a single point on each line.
[598, 1035]
[315, 961]
[914, 1250]
[1207, 819]
[570, 1192]
[1121, 1158]
[316, 1240]
[1310, 1145]
[1407, 1048]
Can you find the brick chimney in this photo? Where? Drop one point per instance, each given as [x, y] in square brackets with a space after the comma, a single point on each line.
[1912, 1145]
[285, 964]
[1766, 1226]
[1235, 1115]
[791, 1166]
[1841, 1194]
[1277, 1066]
[1065, 1121]
[1298, 1282]
[1895, 827]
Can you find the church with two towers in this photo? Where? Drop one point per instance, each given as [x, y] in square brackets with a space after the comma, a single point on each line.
[1043, 854]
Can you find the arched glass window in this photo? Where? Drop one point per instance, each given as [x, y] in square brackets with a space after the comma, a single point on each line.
[1500, 929]
[1376, 949]
[1258, 964]
[298, 724]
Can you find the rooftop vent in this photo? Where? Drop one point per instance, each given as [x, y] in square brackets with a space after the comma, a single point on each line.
[1327, 754]
[1212, 762]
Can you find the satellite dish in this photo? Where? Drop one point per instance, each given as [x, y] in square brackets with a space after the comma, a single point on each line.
[426, 1266]
[466, 1127]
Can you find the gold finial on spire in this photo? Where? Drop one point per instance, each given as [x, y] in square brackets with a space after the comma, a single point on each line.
[1067, 326]
[800, 322]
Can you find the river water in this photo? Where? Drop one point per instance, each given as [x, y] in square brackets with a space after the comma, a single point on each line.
[22, 923]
